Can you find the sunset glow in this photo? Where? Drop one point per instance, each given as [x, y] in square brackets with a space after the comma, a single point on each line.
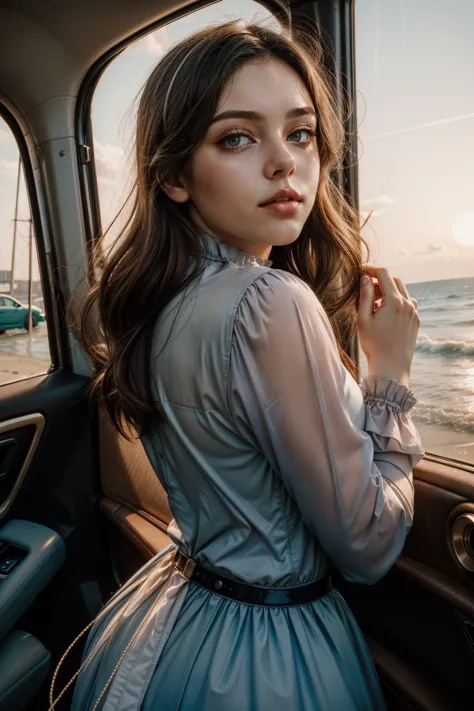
[463, 229]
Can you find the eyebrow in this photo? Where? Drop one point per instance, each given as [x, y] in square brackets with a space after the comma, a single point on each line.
[255, 116]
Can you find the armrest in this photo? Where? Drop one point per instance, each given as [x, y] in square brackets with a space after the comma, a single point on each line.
[45, 554]
[24, 666]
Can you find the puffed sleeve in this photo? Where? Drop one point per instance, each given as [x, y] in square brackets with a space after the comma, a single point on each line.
[353, 486]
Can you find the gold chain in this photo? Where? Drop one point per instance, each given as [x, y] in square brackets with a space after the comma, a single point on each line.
[54, 702]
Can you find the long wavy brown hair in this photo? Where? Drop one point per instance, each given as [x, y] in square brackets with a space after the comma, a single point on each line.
[150, 260]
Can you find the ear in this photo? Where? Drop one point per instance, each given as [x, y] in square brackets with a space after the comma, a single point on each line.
[176, 192]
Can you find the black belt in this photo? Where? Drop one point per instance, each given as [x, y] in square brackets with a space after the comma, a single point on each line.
[252, 594]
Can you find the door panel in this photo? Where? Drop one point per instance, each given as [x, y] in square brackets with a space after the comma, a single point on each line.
[133, 504]
[19, 439]
[405, 690]
[128, 477]
[55, 469]
[422, 613]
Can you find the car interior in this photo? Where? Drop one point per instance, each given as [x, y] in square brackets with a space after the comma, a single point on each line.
[80, 507]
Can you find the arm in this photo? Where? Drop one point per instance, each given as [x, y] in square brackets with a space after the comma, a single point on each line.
[353, 487]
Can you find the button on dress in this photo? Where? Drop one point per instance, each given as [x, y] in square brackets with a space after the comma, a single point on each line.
[278, 467]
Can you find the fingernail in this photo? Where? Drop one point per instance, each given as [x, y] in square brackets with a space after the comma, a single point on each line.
[364, 280]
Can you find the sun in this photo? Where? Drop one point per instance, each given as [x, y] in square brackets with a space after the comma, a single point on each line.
[463, 229]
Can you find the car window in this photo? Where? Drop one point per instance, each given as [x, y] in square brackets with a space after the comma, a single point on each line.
[21, 355]
[416, 128]
[2, 301]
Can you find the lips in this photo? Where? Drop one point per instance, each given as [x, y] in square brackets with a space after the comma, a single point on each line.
[284, 195]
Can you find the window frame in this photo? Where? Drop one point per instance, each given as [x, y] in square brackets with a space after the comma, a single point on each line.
[57, 330]
[334, 21]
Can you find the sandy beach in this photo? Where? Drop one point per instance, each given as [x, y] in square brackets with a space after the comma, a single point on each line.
[446, 442]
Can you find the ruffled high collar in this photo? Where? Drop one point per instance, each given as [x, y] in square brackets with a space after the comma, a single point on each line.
[225, 252]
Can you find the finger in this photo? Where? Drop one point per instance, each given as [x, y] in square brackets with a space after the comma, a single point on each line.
[366, 299]
[384, 278]
[401, 287]
[378, 291]
[415, 303]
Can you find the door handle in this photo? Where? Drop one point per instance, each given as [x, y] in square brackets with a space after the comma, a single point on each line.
[7, 452]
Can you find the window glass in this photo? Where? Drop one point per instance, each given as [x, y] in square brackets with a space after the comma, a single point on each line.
[114, 98]
[23, 352]
[416, 127]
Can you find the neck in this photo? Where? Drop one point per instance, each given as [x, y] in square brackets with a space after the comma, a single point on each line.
[258, 250]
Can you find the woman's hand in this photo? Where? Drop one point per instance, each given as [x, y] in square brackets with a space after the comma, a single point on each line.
[387, 324]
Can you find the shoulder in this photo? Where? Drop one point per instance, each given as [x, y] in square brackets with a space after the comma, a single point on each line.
[279, 294]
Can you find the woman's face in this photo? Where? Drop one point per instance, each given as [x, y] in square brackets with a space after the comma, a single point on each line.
[261, 141]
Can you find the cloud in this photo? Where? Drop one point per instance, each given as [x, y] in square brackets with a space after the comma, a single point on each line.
[378, 205]
[430, 247]
[156, 43]
[379, 200]
[434, 252]
[108, 159]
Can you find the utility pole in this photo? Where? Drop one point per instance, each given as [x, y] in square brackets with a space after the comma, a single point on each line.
[15, 223]
[30, 272]
[30, 279]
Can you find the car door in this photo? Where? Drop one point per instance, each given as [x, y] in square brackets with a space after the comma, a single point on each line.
[3, 314]
[15, 312]
[8, 316]
[54, 564]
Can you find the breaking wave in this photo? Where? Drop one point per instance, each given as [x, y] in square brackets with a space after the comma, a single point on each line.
[458, 420]
[433, 309]
[447, 347]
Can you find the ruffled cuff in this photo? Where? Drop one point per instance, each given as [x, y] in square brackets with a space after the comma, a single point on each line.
[387, 406]
[385, 391]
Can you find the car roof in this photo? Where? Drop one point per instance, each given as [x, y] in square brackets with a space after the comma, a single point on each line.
[47, 48]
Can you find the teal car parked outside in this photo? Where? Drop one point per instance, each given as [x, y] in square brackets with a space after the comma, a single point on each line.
[14, 314]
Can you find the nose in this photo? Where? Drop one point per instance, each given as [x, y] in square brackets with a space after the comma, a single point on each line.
[280, 162]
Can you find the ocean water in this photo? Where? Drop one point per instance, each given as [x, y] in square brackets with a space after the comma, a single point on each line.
[442, 375]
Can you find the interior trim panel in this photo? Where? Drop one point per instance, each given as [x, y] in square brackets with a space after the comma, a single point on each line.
[149, 539]
[37, 421]
[412, 691]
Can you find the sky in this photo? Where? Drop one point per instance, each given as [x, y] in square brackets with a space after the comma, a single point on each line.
[415, 108]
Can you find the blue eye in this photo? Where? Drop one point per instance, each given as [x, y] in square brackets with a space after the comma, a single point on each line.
[235, 140]
[302, 135]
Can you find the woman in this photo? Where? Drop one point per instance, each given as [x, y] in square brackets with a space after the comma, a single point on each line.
[277, 464]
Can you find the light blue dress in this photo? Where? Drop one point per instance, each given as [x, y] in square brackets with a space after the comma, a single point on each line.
[278, 465]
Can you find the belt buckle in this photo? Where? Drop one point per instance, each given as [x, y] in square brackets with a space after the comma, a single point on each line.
[187, 571]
